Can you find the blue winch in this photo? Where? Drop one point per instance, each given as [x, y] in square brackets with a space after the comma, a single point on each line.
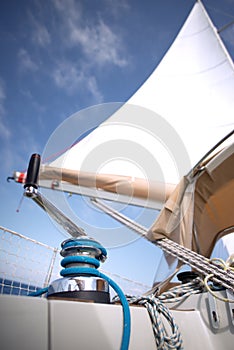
[80, 277]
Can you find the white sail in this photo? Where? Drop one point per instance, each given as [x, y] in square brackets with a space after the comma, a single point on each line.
[182, 110]
[193, 86]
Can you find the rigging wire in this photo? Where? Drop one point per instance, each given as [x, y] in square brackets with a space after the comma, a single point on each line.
[225, 27]
[205, 266]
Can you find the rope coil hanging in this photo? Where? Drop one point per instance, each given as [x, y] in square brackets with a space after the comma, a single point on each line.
[157, 311]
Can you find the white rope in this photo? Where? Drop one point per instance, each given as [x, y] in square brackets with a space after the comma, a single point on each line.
[181, 292]
[157, 311]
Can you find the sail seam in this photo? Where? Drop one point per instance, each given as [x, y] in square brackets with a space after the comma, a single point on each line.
[196, 33]
[217, 36]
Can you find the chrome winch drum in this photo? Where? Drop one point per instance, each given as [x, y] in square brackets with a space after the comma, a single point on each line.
[80, 281]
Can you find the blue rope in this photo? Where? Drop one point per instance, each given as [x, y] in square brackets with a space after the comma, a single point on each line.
[39, 292]
[80, 259]
[84, 242]
[69, 271]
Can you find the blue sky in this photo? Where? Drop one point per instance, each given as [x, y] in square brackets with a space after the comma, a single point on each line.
[60, 56]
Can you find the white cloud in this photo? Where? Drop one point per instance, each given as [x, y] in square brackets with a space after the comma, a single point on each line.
[2, 91]
[41, 35]
[67, 76]
[117, 7]
[68, 9]
[93, 89]
[98, 41]
[86, 43]
[26, 62]
[4, 130]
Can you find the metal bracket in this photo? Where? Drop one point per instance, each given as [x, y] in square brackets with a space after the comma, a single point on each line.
[230, 296]
[214, 315]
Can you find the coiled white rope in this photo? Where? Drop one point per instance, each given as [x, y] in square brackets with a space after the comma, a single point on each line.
[157, 311]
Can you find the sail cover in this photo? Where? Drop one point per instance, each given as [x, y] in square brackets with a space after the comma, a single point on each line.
[145, 147]
[200, 210]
